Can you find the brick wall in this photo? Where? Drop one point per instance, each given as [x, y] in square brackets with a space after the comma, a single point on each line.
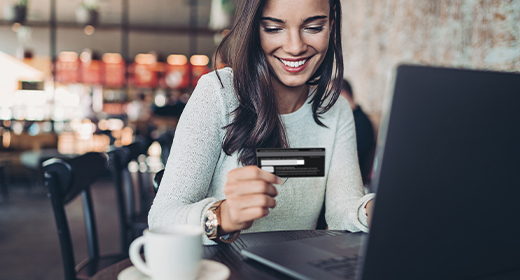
[379, 34]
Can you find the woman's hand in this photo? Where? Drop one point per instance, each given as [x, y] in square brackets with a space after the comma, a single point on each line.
[369, 208]
[249, 195]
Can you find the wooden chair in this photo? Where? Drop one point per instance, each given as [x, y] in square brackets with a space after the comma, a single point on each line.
[138, 150]
[132, 222]
[66, 179]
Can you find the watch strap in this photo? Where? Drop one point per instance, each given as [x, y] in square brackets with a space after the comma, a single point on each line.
[215, 206]
[231, 238]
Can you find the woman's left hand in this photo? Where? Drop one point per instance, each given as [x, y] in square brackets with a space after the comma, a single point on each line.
[369, 208]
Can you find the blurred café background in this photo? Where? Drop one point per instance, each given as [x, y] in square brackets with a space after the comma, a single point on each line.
[78, 76]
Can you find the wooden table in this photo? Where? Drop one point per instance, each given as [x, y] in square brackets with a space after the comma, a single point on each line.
[229, 254]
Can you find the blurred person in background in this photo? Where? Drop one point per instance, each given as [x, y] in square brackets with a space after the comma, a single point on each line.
[364, 133]
[139, 112]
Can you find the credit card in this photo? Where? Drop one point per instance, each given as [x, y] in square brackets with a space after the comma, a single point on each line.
[292, 162]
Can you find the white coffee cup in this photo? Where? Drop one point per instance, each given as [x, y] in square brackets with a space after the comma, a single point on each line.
[172, 252]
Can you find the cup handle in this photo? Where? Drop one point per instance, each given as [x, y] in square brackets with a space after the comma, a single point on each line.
[135, 257]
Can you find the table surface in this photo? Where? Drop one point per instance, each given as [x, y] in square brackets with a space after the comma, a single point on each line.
[229, 254]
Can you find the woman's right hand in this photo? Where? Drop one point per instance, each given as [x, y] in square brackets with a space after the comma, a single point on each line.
[249, 195]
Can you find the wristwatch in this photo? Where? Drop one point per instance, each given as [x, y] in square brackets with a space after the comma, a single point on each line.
[211, 225]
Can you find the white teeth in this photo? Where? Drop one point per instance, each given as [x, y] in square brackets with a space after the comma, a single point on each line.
[293, 64]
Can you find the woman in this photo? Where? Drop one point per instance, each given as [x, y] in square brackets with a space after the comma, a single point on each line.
[283, 56]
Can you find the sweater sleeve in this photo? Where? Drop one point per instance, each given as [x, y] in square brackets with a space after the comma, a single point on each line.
[345, 198]
[182, 196]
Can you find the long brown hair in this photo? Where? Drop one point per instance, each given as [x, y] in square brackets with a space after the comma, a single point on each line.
[256, 121]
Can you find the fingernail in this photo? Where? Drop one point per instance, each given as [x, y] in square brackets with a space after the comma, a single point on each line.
[279, 180]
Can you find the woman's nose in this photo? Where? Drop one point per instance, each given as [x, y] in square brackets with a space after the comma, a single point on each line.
[295, 44]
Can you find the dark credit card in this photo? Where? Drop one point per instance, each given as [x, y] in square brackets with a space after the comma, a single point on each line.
[297, 162]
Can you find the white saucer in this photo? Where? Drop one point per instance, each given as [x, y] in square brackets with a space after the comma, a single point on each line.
[208, 270]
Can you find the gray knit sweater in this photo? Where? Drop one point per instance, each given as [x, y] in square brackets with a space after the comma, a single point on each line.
[196, 171]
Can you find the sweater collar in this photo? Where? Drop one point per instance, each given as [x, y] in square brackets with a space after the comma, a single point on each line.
[305, 109]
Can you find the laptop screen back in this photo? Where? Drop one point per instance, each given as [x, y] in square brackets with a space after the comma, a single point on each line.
[447, 180]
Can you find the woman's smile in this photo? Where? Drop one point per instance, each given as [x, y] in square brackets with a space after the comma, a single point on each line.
[294, 65]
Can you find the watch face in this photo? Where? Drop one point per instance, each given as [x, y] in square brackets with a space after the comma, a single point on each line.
[209, 228]
[211, 223]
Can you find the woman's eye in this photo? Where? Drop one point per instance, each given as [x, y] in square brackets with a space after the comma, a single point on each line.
[272, 30]
[314, 29]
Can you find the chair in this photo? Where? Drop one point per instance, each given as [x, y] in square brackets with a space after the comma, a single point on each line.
[3, 186]
[166, 140]
[157, 180]
[66, 179]
[138, 150]
[132, 222]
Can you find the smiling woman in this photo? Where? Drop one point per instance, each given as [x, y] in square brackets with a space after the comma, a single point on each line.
[281, 90]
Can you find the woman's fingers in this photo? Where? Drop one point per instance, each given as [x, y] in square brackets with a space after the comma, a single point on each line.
[243, 210]
[249, 195]
[251, 201]
[246, 216]
[250, 187]
[240, 211]
[252, 172]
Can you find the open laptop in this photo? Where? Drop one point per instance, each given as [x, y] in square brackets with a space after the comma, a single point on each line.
[448, 187]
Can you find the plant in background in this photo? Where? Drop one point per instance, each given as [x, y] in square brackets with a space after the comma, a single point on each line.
[221, 14]
[90, 5]
[16, 13]
[88, 12]
[228, 6]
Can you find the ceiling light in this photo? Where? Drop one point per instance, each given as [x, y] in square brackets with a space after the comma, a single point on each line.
[199, 60]
[112, 58]
[177, 59]
[68, 56]
[145, 58]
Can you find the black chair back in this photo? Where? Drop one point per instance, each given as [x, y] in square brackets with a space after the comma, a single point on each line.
[137, 148]
[118, 162]
[132, 222]
[134, 151]
[3, 185]
[66, 179]
[166, 141]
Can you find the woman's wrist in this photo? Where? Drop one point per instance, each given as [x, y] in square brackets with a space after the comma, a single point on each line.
[225, 226]
[225, 234]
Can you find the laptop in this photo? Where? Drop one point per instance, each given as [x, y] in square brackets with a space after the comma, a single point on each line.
[447, 179]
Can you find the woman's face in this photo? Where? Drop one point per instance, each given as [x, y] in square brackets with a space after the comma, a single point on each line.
[295, 36]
